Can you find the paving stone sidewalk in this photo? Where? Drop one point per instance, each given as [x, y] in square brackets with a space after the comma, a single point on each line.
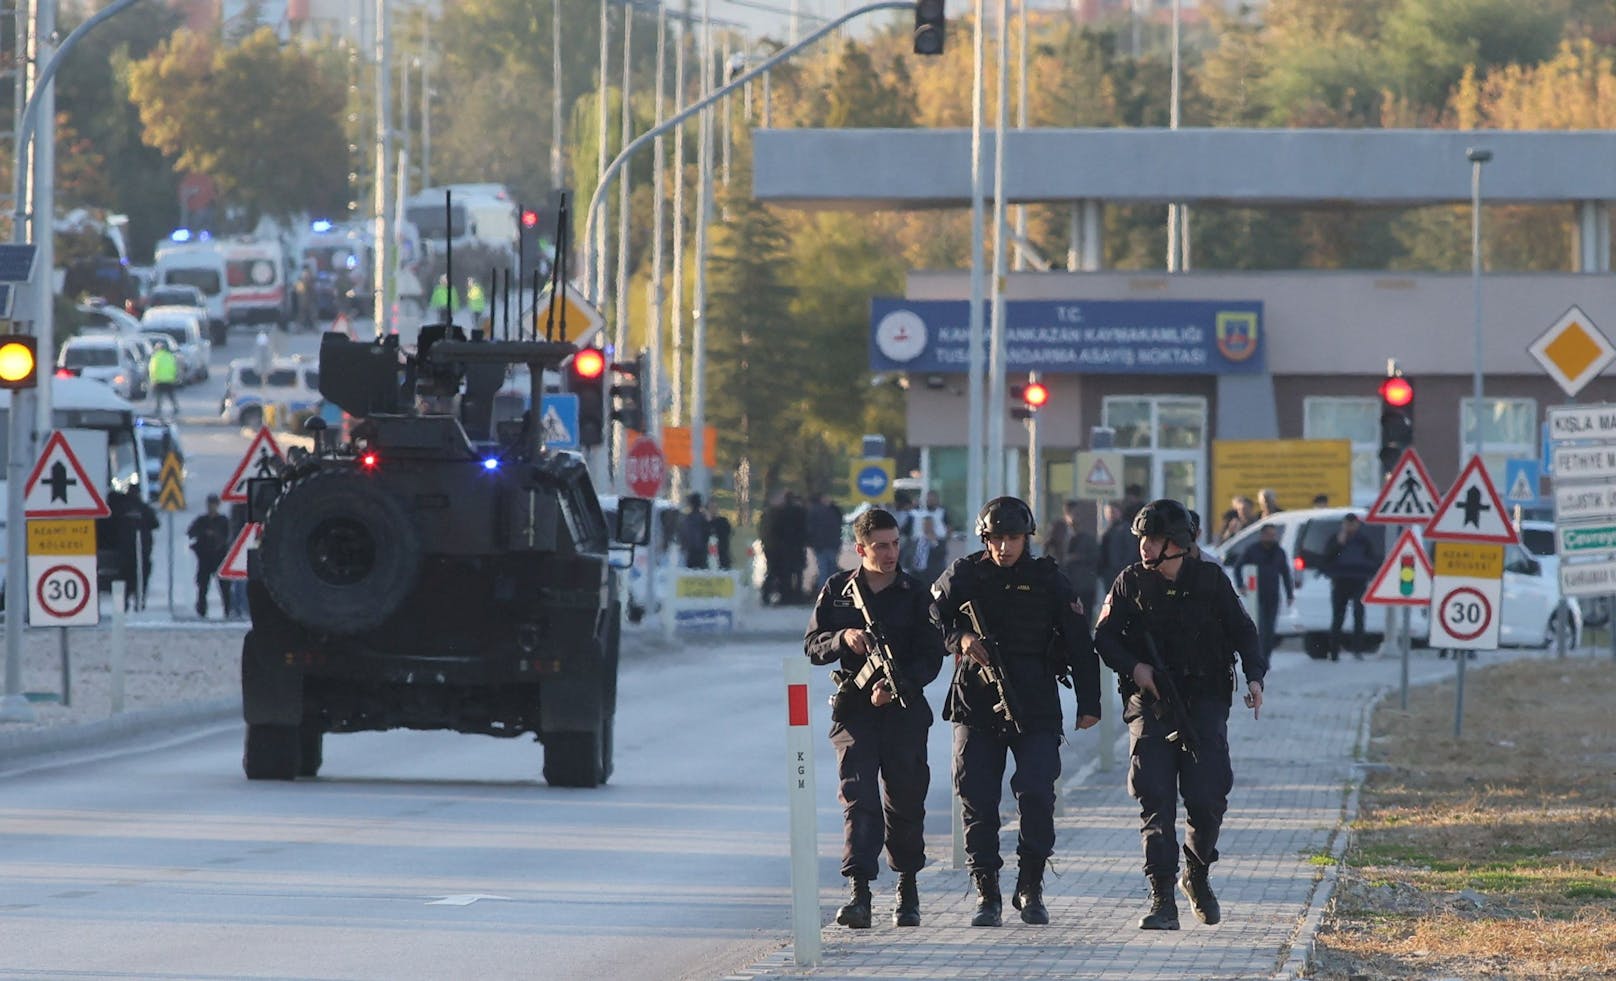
[1296, 774]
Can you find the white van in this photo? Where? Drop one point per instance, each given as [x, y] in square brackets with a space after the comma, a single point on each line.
[199, 263]
[479, 215]
[255, 282]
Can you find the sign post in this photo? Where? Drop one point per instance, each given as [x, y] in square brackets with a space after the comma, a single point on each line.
[1408, 497]
[804, 829]
[1404, 580]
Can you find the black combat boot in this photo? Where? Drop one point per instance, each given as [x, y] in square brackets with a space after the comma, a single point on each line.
[1029, 897]
[1199, 892]
[989, 904]
[1163, 913]
[856, 913]
[907, 912]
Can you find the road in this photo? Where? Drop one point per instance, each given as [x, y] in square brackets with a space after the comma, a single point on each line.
[434, 855]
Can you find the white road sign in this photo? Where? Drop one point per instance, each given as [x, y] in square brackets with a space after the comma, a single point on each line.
[1472, 510]
[1584, 502]
[1409, 496]
[62, 591]
[1594, 579]
[1464, 613]
[1584, 462]
[1590, 422]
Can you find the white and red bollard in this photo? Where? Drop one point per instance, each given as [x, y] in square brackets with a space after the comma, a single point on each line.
[804, 816]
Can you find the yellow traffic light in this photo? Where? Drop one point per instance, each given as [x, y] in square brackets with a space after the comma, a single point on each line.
[18, 365]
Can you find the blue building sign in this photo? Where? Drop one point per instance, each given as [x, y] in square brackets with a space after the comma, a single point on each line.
[1114, 337]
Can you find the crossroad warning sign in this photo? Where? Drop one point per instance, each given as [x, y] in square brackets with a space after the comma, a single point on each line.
[1409, 496]
[234, 565]
[58, 487]
[262, 459]
[1404, 578]
[1472, 511]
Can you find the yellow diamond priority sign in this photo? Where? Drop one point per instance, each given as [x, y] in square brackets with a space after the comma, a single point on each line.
[1573, 351]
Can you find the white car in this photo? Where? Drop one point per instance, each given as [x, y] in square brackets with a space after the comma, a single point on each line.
[1531, 590]
[293, 384]
[107, 358]
[187, 334]
[637, 595]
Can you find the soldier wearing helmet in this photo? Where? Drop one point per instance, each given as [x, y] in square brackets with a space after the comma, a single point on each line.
[1040, 632]
[1188, 610]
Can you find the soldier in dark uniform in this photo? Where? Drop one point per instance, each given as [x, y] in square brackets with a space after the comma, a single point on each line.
[1041, 632]
[873, 734]
[1189, 610]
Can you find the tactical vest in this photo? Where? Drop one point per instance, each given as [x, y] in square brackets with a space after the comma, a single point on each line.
[1182, 616]
[1020, 601]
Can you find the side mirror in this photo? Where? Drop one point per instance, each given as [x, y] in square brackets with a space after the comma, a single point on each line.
[633, 521]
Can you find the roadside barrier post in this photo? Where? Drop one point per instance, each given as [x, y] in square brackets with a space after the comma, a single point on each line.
[804, 818]
[117, 656]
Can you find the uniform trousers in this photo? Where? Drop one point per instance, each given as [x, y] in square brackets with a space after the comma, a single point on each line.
[883, 773]
[979, 761]
[1159, 772]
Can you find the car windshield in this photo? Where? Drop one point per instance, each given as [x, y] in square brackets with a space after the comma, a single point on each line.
[90, 356]
[170, 297]
[1316, 535]
[1538, 541]
[175, 332]
[206, 280]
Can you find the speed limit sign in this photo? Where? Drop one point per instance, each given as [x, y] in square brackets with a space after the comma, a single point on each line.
[62, 591]
[1465, 596]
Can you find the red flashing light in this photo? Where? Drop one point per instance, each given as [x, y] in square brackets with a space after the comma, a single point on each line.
[369, 460]
[589, 363]
[1036, 394]
[64, 373]
[530, 218]
[1396, 392]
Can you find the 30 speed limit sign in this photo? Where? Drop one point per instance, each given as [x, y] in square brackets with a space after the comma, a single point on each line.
[62, 591]
[1465, 596]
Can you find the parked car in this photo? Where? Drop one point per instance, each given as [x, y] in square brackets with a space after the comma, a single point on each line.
[1537, 536]
[105, 316]
[293, 384]
[106, 358]
[1531, 593]
[663, 549]
[187, 334]
[158, 437]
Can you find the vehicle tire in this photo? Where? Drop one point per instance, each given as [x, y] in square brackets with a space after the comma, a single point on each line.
[311, 744]
[271, 753]
[1317, 645]
[577, 759]
[252, 418]
[1595, 611]
[339, 553]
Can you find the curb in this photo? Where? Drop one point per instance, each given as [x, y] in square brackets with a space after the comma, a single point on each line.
[15, 746]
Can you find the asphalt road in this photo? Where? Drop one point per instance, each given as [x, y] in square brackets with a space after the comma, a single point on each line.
[433, 855]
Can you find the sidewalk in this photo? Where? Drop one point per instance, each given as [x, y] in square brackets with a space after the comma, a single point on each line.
[1296, 778]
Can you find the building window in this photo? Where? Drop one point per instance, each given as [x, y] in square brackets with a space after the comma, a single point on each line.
[1508, 431]
[1355, 419]
[1163, 442]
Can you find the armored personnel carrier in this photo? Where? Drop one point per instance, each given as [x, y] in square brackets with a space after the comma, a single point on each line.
[433, 570]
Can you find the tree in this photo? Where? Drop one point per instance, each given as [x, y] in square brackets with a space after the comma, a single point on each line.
[262, 120]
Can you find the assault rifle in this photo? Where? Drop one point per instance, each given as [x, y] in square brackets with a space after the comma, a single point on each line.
[1007, 706]
[1169, 703]
[880, 664]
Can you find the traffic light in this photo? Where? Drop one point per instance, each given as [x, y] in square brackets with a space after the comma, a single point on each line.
[530, 218]
[628, 396]
[584, 378]
[1396, 418]
[1031, 396]
[19, 368]
[929, 25]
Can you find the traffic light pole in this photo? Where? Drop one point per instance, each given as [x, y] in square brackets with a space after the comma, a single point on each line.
[14, 706]
[592, 260]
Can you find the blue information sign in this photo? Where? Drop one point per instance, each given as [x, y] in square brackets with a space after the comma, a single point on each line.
[558, 414]
[1117, 337]
[1521, 482]
[872, 481]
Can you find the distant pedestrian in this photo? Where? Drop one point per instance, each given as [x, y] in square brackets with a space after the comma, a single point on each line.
[1321, 500]
[1268, 503]
[824, 537]
[693, 531]
[1350, 561]
[1118, 548]
[163, 371]
[794, 546]
[718, 527]
[210, 540]
[1268, 557]
[1077, 552]
[1240, 516]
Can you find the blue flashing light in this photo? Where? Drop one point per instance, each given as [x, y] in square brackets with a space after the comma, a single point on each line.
[320, 225]
[492, 463]
[203, 236]
[180, 235]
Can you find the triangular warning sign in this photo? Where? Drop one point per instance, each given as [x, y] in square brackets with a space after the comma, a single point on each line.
[1472, 511]
[1100, 475]
[234, 565]
[1404, 578]
[263, 459]
[59, 487]
[1409, 496]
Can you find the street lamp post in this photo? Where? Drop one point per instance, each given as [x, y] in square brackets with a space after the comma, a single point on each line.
[1477, 156]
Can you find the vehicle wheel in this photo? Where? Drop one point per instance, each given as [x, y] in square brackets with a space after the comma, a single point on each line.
[204, 376]
[252, 418]
[1595, 611]
[577, 759]
[339, 554]
[1317, 645]
[271, 753]
[311, 743]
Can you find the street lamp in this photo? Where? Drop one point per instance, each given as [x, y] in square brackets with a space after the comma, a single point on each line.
[1477, 156]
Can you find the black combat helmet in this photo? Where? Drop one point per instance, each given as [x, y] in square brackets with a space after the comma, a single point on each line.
[1005, 516]
[1168, 519]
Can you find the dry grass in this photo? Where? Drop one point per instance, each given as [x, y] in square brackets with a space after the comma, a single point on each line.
[1493, 856]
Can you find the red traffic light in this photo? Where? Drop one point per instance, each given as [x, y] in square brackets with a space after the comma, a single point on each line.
[1396, 392]
[589, 363]
[530, 218]
[1035, 395]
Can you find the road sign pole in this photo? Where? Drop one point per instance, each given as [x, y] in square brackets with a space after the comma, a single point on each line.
[1458, 701]
[117, 659]
[67, 666]
[172, 613]
[1404, 645]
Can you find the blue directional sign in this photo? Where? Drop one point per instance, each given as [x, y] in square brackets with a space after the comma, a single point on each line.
[1521, 482]
[558, 415]
[873, 481]
[16, 263]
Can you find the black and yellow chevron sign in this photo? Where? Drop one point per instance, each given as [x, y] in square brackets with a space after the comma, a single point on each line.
[171, 484]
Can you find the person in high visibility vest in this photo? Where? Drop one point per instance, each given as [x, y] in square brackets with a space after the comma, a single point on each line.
[445, 298]
[476, 301]
[164, 370]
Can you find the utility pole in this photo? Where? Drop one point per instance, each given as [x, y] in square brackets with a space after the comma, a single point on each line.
[382, 274]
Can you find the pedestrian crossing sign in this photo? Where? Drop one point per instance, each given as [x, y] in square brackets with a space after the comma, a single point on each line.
[234, 565]
[262, 459]
[1409, 496]
[558, 420]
